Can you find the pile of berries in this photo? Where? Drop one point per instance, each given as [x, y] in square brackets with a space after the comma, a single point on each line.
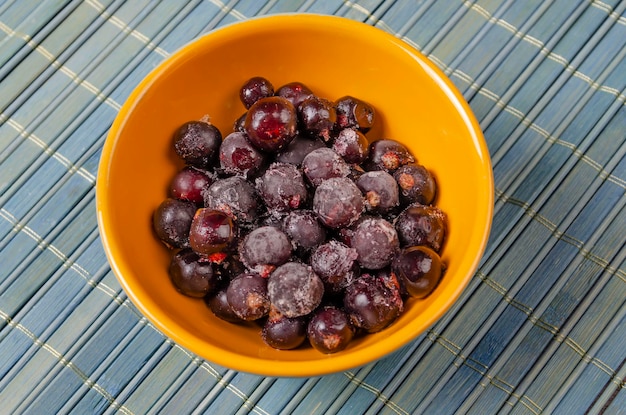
[295, 221]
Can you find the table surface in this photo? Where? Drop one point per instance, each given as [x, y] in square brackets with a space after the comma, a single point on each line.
[541, 328]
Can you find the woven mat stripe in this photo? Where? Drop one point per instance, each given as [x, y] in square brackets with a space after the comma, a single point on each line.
[19, 41]
[545, 317]
[62, 345]
[576, 387]
[44, 118]
[510, 60]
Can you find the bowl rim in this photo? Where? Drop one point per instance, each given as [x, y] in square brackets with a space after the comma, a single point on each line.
[259, 365]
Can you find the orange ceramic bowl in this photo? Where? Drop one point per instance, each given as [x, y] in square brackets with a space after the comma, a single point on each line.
[334, 56]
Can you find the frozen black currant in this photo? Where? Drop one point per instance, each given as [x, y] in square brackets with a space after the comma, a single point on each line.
[218, 304]
[284, 333]
[422, 225]
[171, 222]
[265, 248]
[329, 330]
[197, 143]
[211, 231]
[335, 263]
[317, 117]
[417, 184]
[387, 155]
[271, 123]
[190, 183]
[282, 187]
[420, 270]
[254, 89]
[238, 156]
[303, 228]
[338, 202]
[294, 92]
[322, 164]
[230, 266]
[354, 113]
[298, 148]
[294, 289]
[373, 302]
[193, 276]
[380, 190]
[351, 145]
[234, 196]
[247, 296]
[376, 242]
[239, 124]
[296, 221]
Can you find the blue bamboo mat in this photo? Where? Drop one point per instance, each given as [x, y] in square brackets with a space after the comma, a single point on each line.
[541, 329]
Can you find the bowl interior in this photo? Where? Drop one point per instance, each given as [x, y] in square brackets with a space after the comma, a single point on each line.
[334, 57]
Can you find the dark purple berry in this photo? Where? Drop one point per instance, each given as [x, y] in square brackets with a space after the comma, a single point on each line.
[317, 117]
[422, 225]
[234, 196]
[271, 221]
[218, 304]
[283, 333]
[238, 156]
[303, 228]
[354, 113]
[376, 242]
[271, 123]
[189, 184]
[248, 297]
[282, 187]
[322, 164]
[294, 92]
[211, 231]
[294, 289]
[192, 276]
[265, 248]
[329, 330]
[254, 89]
[335, 263]
[231, 266]
[380, 190]
[338, 202]
[373, 302]
[420, 269]
[172, 220]
[351, 145]
[387, 155]
[416, 184]
[197, 143]
[298, 148]
[239, 124]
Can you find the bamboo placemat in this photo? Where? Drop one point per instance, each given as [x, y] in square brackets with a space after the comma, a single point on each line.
[540, 329]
